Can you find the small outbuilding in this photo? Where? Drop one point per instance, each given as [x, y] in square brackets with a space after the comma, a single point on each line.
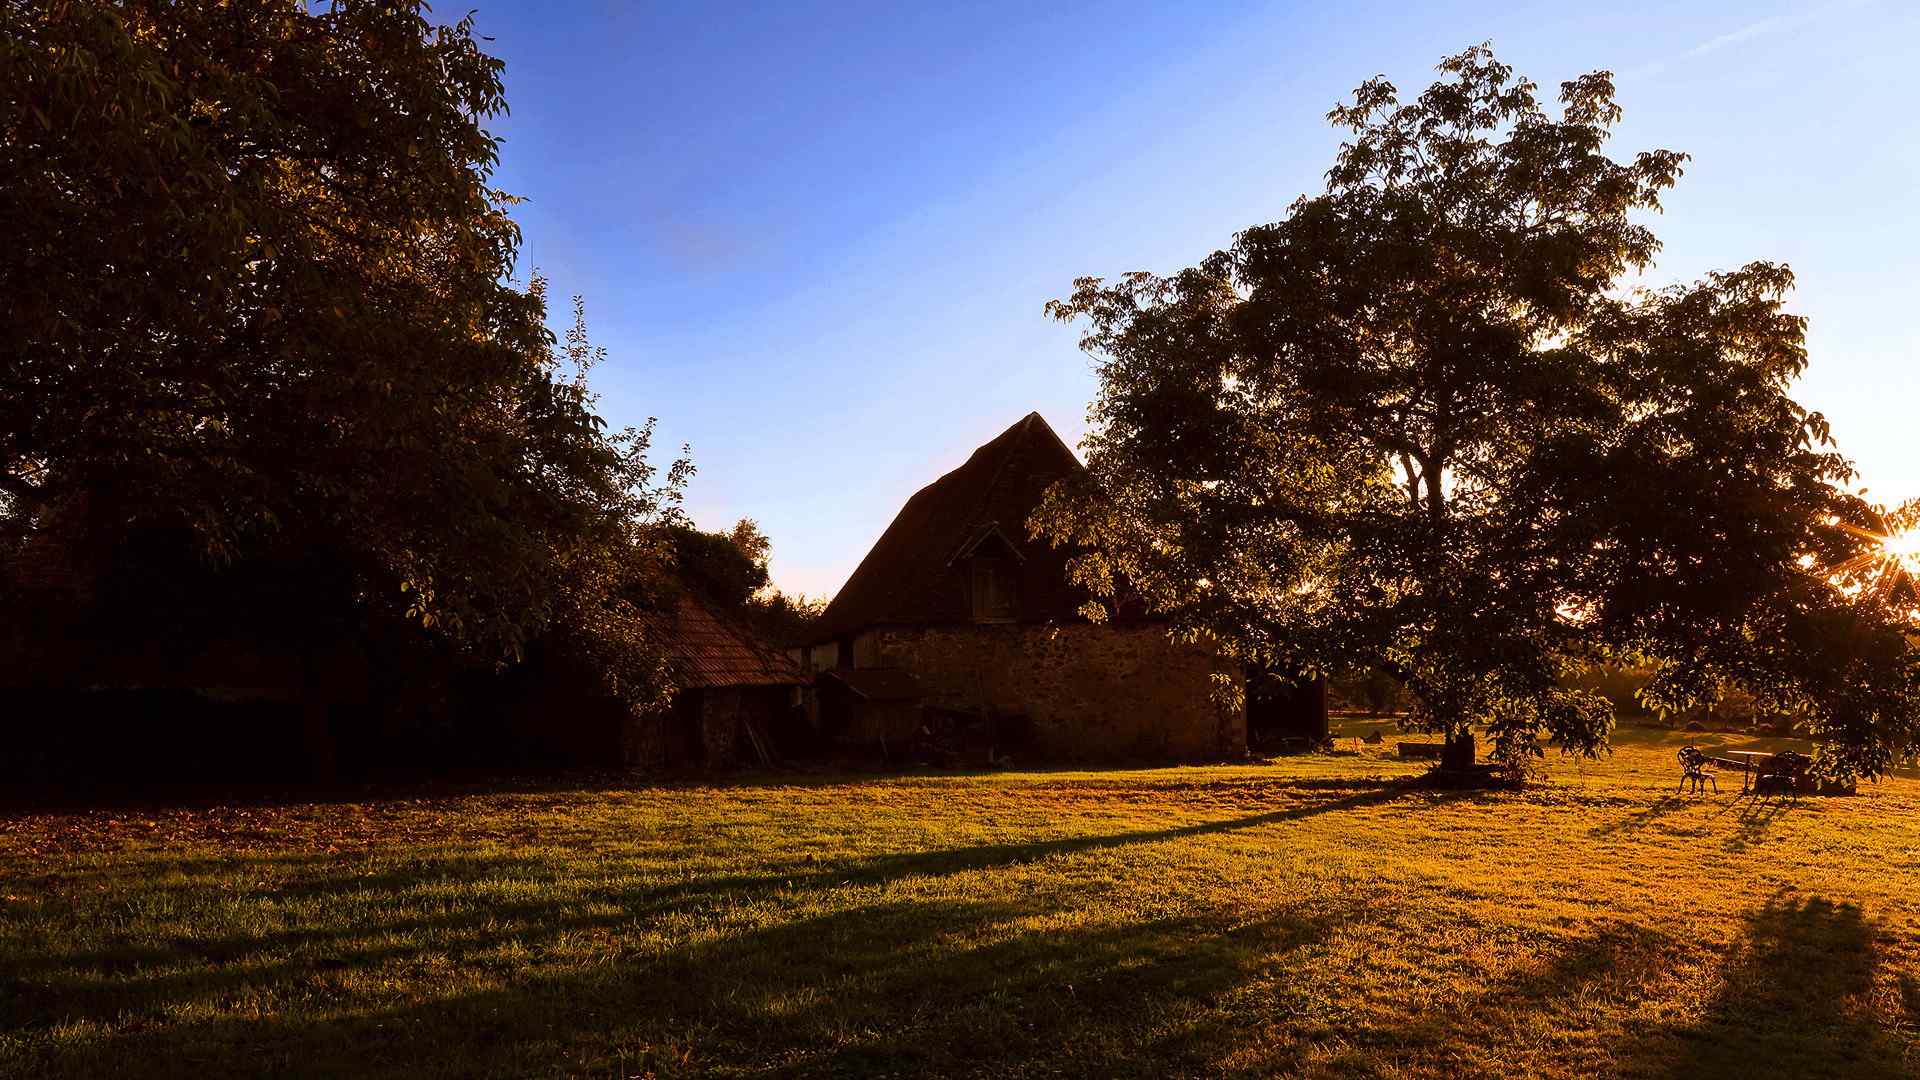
[738, 700]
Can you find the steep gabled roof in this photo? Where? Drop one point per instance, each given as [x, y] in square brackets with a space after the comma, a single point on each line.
[706, 649]
[913, 577]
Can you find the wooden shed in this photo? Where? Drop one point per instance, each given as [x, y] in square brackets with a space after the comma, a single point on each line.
[738, 700]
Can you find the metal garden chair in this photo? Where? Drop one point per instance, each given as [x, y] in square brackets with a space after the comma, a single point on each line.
[1696, 768]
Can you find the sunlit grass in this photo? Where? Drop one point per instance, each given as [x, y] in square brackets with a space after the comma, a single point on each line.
[1312, 916]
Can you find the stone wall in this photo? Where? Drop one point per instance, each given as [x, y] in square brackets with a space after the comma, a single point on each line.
[1092, 691]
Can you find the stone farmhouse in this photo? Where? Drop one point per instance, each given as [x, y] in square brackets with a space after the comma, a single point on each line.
[956, 610]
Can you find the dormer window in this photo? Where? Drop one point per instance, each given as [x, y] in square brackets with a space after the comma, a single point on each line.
[989, 564]
[994, 584]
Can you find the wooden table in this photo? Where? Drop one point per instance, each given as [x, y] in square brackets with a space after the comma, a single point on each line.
[1747, 761]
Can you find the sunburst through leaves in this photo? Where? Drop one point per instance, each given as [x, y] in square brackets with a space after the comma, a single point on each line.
[1903, 549]
[1889, 567]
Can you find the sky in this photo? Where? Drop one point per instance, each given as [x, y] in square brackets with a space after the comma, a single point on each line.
[816, 239]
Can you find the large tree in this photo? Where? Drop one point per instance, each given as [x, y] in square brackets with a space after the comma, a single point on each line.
[1427, 423]
[259, 302]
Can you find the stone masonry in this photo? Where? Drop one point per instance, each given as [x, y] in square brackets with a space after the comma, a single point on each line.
[1092, 691]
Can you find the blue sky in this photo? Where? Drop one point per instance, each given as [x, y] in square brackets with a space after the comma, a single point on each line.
[816, 239]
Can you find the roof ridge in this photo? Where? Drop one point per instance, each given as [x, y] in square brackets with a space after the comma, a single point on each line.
[962, 467]
[1062, 443]
[1023, 426]
[906, 575]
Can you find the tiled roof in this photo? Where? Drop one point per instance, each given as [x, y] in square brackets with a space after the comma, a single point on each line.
[706, 648]
[910, 577]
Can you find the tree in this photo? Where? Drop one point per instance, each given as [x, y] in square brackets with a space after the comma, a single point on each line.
[729, 569]
[786, 620]
[1422, 424]
[259, 297]
[780, 619]
[752, 543]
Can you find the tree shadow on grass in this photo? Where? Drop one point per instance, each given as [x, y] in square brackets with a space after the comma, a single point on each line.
[1752, 817]
[1795, 1001]
[817, 973]
[132, 987]
[1653, 812]
[905, 988]
[1569, 993]
[1792, 997]
[1910, 1009]
[986, 856]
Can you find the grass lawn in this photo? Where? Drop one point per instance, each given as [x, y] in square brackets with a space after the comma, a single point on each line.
[1313, 916]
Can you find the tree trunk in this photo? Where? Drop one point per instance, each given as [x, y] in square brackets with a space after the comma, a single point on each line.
[1457, 754]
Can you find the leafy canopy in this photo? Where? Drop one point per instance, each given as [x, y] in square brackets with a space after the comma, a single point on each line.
[1424, 424]
[730, 571]
[259, 294]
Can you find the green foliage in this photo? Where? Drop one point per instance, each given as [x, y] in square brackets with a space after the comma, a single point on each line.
[1423, 425]
[259, 290]
[728, 569]
[785, 621]
[753, 544]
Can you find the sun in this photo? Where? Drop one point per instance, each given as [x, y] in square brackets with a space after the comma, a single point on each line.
[1903, 548]
[1887, 567]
